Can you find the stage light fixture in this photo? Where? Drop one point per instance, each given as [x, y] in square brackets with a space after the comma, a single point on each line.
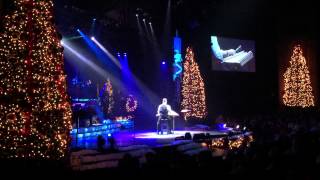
[237, 127]
[163, 62]
[137, 15]
[78, 30]
[118, 54]
[92, 38]
[144, 20]
[109, 135]
[125, 54]
[94, 19]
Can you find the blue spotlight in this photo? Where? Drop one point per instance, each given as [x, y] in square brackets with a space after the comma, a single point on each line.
[109, 135]
[118, 54]
[150, 23]
[78, 30]
[125, 54]
[111, 57]
[91, 44]
[94, 19]
[163, 62]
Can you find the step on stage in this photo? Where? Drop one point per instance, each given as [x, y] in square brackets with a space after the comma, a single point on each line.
[150, 138]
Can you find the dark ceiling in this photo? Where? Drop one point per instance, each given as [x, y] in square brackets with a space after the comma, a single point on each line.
[219, 15]
[250, 17]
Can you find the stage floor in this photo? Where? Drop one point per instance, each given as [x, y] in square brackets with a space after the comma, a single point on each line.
[150, 138]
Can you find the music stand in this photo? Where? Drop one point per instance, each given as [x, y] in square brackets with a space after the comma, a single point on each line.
[184, 112]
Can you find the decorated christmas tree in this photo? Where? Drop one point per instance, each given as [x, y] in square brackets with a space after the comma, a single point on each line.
[35, 115]
[107, 99]
[193, 90]
[297, 85]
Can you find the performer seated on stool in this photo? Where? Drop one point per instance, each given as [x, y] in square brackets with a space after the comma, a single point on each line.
[163, 116]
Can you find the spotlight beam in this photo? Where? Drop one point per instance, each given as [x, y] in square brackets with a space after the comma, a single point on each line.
[96, 46]
[139, 26]
[90, 43]
[72, 38]
[113, 59]
[152, 33]
[88, 62]
[145, 92]
[146, 28]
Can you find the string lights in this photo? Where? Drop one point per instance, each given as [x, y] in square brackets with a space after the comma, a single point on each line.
[297, 84]
[108, 99]
[110, 96]
[35, 115]
[193, 91]
[232, 143]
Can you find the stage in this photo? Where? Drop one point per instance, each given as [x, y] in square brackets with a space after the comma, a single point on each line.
[150, 138]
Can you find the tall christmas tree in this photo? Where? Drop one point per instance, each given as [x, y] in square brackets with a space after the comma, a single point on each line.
[107, 99]
[193, 91]
[297, 85]
[35, 115]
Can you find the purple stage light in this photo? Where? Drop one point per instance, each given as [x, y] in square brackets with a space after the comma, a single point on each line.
[163, 62]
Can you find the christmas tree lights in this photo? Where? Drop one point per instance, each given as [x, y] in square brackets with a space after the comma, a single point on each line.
[193, 90]
[108, 99]
[297, 83]
[35, 115]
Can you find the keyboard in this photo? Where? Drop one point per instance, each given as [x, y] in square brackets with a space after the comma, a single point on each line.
[241, 58]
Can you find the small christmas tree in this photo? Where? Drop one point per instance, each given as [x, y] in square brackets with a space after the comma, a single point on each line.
[35, 115]
[193, 90]
[297, 85]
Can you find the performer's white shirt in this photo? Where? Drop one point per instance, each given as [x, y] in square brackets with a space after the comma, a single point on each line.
[168, 108]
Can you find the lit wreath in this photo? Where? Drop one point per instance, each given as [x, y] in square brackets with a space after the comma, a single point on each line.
[131, 104]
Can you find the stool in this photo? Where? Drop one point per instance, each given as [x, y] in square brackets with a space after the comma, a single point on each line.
[164, 125]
